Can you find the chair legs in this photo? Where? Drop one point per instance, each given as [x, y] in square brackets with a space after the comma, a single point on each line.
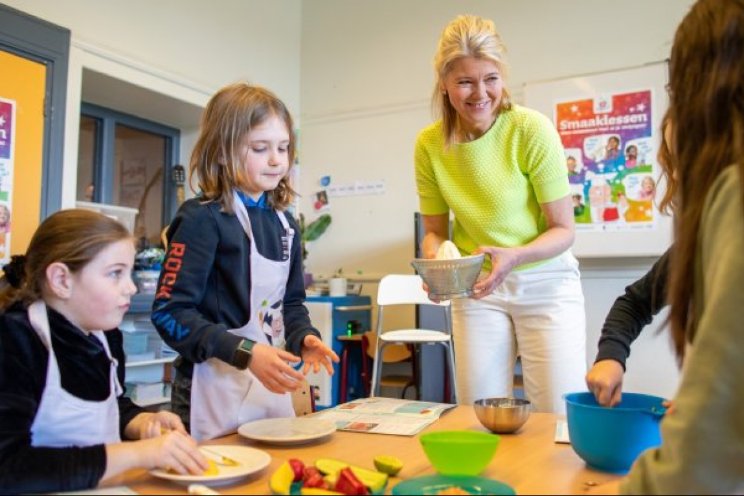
[377, 372]
[451, 364]
[412, 384]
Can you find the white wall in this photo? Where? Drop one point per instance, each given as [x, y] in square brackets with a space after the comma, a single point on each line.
[177, 52]
[366, 82]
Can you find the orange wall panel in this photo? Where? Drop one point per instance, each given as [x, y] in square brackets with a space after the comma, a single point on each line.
[24, 81]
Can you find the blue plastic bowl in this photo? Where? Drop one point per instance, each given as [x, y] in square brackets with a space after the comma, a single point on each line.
[610, 439]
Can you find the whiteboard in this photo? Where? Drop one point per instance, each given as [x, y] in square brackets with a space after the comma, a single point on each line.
[609, 124]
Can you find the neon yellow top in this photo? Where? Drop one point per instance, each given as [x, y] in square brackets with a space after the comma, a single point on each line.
[494, 185]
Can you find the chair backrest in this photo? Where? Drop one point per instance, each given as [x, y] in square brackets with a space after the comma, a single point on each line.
[392, 353]
[402, 289]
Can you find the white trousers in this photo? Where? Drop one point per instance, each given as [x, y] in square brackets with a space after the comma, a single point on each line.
[537, 313]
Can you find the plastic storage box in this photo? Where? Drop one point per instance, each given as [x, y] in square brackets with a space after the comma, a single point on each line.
[125, 215]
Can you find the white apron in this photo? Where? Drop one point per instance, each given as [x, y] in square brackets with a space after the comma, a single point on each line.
[63, 419]
[223, 397]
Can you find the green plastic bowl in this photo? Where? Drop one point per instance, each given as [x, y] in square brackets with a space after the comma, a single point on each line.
[459, 452]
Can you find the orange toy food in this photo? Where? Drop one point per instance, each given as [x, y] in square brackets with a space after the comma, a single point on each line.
[212, 469]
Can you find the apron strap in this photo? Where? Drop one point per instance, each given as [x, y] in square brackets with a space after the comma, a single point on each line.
[242, 214]
[39, 319]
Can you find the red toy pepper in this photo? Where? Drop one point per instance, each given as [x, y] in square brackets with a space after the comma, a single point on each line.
[298, 468]
[349, 484]
[312, 477]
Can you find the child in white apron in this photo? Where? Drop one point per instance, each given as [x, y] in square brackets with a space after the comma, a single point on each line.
[62, 409]
[231, 296]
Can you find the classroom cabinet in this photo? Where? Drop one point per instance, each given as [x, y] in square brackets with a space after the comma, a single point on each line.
[336, 316]
[148, 366]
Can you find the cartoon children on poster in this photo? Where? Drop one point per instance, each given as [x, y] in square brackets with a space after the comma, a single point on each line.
[4, 230]
[610, 160]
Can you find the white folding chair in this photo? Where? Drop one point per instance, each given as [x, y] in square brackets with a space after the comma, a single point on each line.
[399, 289]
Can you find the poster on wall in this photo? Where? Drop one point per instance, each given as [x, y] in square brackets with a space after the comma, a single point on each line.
[609, 125]
[609, 147]
[7, 146]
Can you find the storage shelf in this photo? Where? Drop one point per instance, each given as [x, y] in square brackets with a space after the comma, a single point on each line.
[154, 361]
[141, 303]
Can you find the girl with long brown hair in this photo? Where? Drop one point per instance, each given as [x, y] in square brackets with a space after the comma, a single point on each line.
[702, 451]
[234, 263]
[62, 409]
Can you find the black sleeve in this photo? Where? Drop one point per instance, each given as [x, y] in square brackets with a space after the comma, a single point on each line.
[632, 311]
[297, 323]
[193, 243]
[24, 468]
[127, 408]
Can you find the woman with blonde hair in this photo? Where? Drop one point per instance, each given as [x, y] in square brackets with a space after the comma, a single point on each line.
[500, 169]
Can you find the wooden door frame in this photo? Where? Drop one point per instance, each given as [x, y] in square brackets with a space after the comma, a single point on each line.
[49, 44]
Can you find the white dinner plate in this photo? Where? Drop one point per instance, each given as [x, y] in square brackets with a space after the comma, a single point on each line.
[293, 430]
[251, 460]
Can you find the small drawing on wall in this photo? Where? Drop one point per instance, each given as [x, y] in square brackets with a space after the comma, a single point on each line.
[321, 201]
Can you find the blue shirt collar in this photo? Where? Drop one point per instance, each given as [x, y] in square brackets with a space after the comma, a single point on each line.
[262, 202]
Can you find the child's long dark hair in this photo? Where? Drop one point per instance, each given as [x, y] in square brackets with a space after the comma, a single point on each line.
[73, 237]
[231, 113]
[707, 118]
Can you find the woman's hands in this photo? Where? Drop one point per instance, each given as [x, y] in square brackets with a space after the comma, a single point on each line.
[605, 380]
[315, 354]
[503, 260]
[269, 365]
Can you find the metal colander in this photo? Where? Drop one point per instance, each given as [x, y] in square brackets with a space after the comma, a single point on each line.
[449, 278]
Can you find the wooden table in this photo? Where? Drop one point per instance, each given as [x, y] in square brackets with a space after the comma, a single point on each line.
[530, 461]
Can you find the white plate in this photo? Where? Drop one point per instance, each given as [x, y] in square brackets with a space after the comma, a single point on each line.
[251, 461]
[287, 430]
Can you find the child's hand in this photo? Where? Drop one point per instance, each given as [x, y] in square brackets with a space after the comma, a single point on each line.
[147, 425]
[159, 423]
[315, 353]
[269, 365]
[605, 381]
[174, 451]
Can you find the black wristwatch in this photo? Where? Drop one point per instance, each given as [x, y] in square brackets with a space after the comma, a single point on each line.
[243, 354]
